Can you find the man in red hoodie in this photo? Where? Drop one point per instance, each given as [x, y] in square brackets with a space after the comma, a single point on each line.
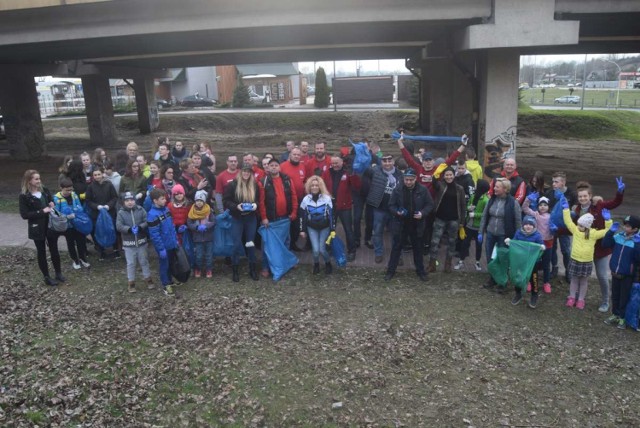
[319, 163]
[295, 169]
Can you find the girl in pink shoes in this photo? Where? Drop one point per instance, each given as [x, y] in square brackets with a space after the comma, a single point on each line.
[582, 250]
[543, 220]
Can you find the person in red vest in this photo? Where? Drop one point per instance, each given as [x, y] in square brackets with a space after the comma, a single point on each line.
[518, 185]
[340, 183]
[319, 163]
[295, 169]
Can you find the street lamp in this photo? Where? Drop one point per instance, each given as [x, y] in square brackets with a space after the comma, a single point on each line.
[618, 90]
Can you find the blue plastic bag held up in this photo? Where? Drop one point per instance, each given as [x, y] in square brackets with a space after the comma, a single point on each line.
[82, 222]
[105, 231]
[633, 307]
[430, 138]
[338, 251]
[362, 158]
[556, 215]
[223, 243]
[281, 260]
[187, 244]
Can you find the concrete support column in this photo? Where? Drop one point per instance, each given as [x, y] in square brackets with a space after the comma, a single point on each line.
[499, 106]
[97, 98]
[148, 119]
[21, 114]
[437, 74]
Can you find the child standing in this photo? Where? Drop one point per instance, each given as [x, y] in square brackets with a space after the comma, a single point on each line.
[163, 236]
[582, 250]
[131, 222]
[624, 266]
[528, 233]
[200, 222]
[68, 203]
[475, 207]
[543, 221]
[179, 207]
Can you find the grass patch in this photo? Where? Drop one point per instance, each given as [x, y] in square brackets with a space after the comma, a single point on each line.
[9, 205]
[629, 98]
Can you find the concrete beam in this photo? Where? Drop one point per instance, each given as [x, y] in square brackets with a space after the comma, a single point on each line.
[97, 99]
[148, 119]
[81, 68]
[35, 69]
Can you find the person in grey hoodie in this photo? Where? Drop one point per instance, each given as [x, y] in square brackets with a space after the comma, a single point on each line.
[131, 222]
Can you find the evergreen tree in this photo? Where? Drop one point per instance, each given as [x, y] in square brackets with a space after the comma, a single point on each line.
[241, 94]
[322, 90]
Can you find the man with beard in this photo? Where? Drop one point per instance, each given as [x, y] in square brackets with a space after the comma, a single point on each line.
[295, 170]
[249, 159]
[319, 163]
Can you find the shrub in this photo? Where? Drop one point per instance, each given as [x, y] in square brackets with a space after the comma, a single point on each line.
[241, 94]
[322, 90]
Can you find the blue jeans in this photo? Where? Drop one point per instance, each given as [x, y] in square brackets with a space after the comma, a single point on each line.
[318, 246]
[165, 267]
[491, 241]
[347, 225]
[246, 225]
[204, 255]
[565, 249]
[381, 218]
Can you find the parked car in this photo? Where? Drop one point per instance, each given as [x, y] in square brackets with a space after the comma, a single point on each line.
[567, 99]
[197, 101]
[255, 98]
[311, 90]
[160, 103]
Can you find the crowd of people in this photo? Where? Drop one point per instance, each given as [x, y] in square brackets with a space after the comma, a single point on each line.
[426, 203]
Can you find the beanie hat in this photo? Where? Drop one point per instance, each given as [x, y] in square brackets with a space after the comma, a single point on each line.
[128, 195]
[177, 189]
[529, 219]
[585, 220]
[633, 221]
[201, 195]
[543, 200]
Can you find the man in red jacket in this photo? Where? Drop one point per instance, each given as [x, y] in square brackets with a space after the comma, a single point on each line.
[319, 163]
[340, 184]
[295, 169]
[518, 185]
[258, 173]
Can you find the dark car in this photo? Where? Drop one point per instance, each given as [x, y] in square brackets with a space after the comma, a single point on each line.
[198, 101]
[160, 103]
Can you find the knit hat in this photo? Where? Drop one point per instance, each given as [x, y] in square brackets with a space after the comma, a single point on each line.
[543, 200]
[529, 219]
[201, 195]
[585, 220]
[128, 195]
[633, 221]
[177, 189]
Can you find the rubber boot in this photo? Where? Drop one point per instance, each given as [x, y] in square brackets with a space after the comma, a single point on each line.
[432, 266]
[253, 273]
[328, 268]
[447, 264]
[236, 274]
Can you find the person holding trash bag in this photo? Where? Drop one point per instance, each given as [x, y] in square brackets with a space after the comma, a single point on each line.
[241, 197]
[316, 213]
[68, 203]
[409, 206]
[528, 233]
[163, 236]
[131, 222]
[101, 195]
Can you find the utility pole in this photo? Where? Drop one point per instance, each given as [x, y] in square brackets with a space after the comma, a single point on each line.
[584, 81]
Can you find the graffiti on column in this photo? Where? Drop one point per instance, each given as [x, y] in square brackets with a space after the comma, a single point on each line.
[497, 150]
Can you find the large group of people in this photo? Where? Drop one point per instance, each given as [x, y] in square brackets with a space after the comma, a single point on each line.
[428, 205]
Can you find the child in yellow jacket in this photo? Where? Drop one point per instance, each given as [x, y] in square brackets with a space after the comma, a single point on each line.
[582, 249]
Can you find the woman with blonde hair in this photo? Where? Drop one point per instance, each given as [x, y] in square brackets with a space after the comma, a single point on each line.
[241, 199]
[316, 213]
[36, 203]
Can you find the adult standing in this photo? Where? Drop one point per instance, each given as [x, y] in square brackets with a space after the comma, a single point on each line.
[132, 150]
[340, 184]
[224, 178]
[317, 221]
[165, 158]
[409, 205]
[383, 180]
[559, 190]
[250, 159]
[285, 156]
[501, 218]
[518, 185]
[35, 204]
[180, 152]
[319, 162]
[191, 179]
[304, 149]
[206, 173]
[296, 171]
[101, 196]
[133, 181]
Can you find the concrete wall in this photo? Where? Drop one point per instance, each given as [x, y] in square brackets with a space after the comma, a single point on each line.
[198, 79]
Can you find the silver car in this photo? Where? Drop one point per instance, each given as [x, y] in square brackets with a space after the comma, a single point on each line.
[567, 99]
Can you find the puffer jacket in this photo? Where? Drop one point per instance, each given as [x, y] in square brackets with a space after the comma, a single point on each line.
[207, 235]
[63, 206]
[422, 201]
[161, 229]
[31, 210]
[126, 219]
[626, 253]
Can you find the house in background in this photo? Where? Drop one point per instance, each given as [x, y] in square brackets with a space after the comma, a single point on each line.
[280, 82]
[188, 81]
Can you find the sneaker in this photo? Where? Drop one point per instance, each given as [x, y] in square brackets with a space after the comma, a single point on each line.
[612, 320]
[459, 265]
[546, 288]
[604, 308]
[388, 276]
[209, 273]
[571, 301]
[517, 298]
[580, 304]
[378, 259]
[621, 324]
[196, 273]
[116, 255]
[478, 267]
[150, 284]
[168, 290]
[528, 287]
[533, 302]
[85, 263]
[76, 266]
[132, 287]
[368, 244]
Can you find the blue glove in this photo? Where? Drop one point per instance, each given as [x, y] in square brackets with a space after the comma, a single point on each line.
[162, 254]
[533, 197]
[182, 228]
[134, 229]
[479, 238]
[620, 185]
[552, 227]
[636, 238]
[558, 194]
[202, 228]
[564, 203]
[614, 227]
[606, 214]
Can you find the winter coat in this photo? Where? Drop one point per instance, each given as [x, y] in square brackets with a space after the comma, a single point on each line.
[37, 220]
[316, 214]
[582, 248]
[207, 235]
[598, 221]
[126, 219]
[475, 169]
[441, 188]
[473, 223]
[508, 218]
[378, 184]
[179, 214]
[230, 201]
[518, 186]
[425, 177]
[342, 199]
[161, 229]
[466, 182]
[63, 206]
[101, 194]
[134, 185]
[626, 253]
[422, 201]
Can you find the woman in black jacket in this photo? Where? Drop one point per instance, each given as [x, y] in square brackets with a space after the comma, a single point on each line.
[101, 195]
[35, 205]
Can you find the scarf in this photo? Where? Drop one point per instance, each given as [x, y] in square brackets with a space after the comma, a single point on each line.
[199, 214]
[390, 177]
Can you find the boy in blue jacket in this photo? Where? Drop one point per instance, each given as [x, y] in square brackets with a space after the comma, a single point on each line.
[623, 264]
[529, 233]
[163, 236]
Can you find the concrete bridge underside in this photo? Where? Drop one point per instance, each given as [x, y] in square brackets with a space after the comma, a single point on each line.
[466, 52]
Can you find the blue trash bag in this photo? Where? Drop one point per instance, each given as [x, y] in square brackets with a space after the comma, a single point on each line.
[633, 307]
[556, 216]
[105, 232]
[187, 244]
[223, 242]
[281, 260]
[362, 158]
[338, 251]
[82, 222]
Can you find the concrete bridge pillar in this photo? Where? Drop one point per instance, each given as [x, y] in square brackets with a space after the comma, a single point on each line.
[21, 114]
[97, 98]
[148, 119]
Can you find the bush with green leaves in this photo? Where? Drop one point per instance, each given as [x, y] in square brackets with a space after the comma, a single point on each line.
[322, 90]
[241, 94]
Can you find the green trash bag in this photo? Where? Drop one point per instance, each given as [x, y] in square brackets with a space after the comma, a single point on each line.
[499, 266]
[522, 259]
